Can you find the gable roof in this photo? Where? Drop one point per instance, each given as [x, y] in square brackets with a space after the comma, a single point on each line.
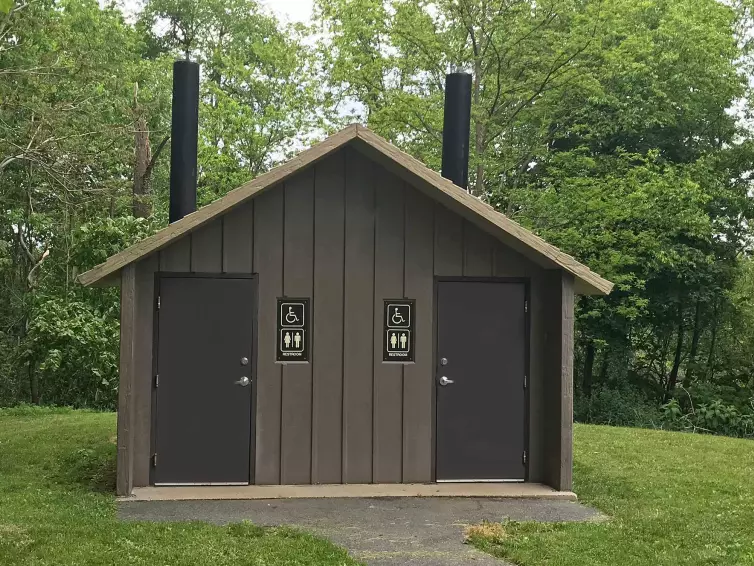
[419, 175]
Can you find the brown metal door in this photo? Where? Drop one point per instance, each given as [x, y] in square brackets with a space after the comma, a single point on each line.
[204, 402]
[481, 401]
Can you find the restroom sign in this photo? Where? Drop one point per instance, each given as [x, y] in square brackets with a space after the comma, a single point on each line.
[399, 336]
[292, 330]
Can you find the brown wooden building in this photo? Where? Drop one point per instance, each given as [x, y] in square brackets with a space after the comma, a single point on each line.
[348, 317]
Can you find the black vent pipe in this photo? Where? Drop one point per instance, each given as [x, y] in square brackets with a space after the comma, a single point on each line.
[456, 129]
[184, 131]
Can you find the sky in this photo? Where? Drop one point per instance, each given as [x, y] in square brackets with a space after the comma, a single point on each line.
[291, 10]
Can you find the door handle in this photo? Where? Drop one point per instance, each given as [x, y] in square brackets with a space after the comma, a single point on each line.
[243, 382]
[445, 381]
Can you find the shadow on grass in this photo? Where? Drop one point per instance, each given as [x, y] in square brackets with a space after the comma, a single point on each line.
[92, 469]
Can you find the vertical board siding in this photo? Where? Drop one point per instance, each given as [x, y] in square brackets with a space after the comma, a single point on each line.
[537, 411]
[298, 272]
[207, 247]
[349, 234]
[143, 384]
[238, 239]
[565, 475]
[418, 378]
[327, 322]
[358, 320]
[126, 400]
[509, 263]
[388, 283]
[477, 252]
[448, 242]
[177, 256]
[268, 260]
[558, 380]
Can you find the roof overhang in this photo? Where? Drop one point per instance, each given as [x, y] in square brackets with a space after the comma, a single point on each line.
[411, 170]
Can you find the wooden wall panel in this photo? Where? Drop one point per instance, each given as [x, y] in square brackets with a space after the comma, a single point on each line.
[327, 323]
[565, 472]
[177, 256]
[388, 284]
[349, 234]
[126, 402]
[510, 263]
[557, 421]
[448, 243]
[358, 320]
[268, 260]
[538, 310]
[477, 252]
[418, 378]
[238, 240]
[143, 384]
[298, 272]
[207, 248]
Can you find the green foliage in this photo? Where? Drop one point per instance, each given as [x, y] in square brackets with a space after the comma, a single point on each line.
[599, 125]
[713, 418]
[84, 84]
[258, 96]
[75, 350]
[614, 407]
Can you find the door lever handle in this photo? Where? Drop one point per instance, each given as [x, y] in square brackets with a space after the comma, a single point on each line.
[243, 382]
[445, 381]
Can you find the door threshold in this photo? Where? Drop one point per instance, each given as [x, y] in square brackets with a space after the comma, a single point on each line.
[477, 489]
[212, 483]
[481, 481]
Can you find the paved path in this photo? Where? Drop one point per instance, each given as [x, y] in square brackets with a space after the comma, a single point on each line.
[380, 532]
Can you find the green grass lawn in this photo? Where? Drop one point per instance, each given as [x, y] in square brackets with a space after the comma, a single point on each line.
[673, 498]
[56, 506]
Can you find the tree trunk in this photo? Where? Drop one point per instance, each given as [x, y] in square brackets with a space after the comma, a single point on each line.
[710, 373]
[604, 366]
[691, 365]
[673, 378]
[478, 132]
[142, 174]
[33, 382]
[586, 379]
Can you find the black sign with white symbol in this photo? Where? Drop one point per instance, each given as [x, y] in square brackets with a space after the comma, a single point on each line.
[293, 330]
[399, 331]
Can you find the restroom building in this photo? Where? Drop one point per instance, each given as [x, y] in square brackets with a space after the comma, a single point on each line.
[349, 317]
[435, 335]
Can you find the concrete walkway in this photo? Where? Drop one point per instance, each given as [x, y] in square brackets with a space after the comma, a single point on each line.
[379, 532]
[452, 489]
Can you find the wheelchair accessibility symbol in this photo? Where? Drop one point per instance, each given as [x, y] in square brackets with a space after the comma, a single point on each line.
[399, 316]
[292, 314]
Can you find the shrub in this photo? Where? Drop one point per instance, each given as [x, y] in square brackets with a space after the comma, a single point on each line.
[710, 418]
[617, 407]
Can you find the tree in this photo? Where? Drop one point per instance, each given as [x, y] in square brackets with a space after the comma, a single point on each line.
[259, 100]
[65, 151]
[391, 57]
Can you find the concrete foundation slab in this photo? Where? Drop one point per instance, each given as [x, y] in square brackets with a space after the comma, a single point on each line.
[496, 490]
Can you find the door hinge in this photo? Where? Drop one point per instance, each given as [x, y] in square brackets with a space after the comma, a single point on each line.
[526, 381]
[158, 302]
[524, 457]
[154, 460]
[157, 380]
[526, 306]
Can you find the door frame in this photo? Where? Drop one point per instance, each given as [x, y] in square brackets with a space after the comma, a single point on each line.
[158, 276]
[526, 281]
